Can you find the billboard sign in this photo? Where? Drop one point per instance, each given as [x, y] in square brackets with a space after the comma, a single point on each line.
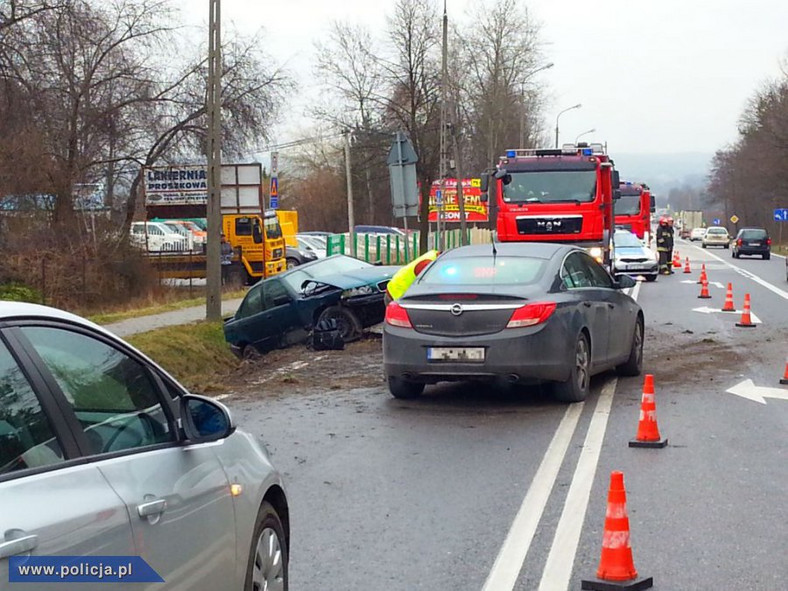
[475, 210]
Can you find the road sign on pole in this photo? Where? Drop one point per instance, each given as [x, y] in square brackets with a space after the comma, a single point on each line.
[781, 214]
[734, 219]
[716, 221]
[273, 196]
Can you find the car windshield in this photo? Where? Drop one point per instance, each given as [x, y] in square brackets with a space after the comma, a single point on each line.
[753, 234]
[627, 205]
[272, 228]
[325, 267]
[624, 239]
[483, 270]
[551, 186]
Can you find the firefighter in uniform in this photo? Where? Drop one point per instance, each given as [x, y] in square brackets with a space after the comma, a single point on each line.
[664, 246]
[401, 280]
[670, 252]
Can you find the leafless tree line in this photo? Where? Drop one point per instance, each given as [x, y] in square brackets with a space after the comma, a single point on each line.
[374, 86]
[749, 179]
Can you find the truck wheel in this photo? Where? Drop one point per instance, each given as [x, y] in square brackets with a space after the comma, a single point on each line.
[348, 324]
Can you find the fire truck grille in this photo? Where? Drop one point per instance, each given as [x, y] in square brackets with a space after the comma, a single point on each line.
[550, 225]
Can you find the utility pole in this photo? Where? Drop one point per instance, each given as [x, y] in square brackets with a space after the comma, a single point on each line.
[350, 221]
[443, 139]
[213, 294]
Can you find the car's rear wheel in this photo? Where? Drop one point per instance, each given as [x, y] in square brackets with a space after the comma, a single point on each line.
[347, 322]
[767, 256]
[267, 566]
[250, 353]
[401, 388]
[634, 365]
[726, 246]
[575, 389]
[291, 263]
[703, 244]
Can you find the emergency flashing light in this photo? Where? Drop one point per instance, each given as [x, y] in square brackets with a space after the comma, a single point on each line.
[511, 153]
[587, 151]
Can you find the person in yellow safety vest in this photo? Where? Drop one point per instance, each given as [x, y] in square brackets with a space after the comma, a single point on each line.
[402, 279]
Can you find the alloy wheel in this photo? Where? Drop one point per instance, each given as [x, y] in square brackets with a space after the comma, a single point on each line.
[582, 362]
[268, 573]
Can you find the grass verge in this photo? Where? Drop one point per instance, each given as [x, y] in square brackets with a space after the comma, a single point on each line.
[195, 354]
[137, 309]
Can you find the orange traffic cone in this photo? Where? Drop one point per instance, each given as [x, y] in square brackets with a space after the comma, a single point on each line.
[745, 315]
[704, 291]
[648, 431]
[729, 307]
[702, 277]
[687, 265]
[676, 259]
[615, 562]
[784, 379]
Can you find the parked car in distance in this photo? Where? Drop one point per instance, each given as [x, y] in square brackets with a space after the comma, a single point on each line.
[102, 452]
[632, 257]
[526, 313]
[316, 244]
[297, 255]
[281, 310]
[697, 234]
[156, 237]
[379, 230]
[752, 241]
[716, 236]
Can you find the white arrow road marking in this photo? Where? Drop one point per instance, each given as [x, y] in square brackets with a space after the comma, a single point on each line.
[714, 283]
[758, 280]
[747, 389]
[706, 310]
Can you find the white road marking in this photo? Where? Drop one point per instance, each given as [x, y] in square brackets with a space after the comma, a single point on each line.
[286, 369]
[567, 535]
[509, 561]
[747, 389]
[706, 310]
[753, 276]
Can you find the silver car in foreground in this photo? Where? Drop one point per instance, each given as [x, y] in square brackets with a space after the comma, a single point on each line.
[103, 453]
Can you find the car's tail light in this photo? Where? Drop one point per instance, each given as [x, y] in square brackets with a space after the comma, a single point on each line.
[738, 242]
[396, 315]
[768, 242]
[531, 314]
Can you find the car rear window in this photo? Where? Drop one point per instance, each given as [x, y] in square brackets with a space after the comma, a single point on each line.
[483, 270]
[717, 231]
[753, 234]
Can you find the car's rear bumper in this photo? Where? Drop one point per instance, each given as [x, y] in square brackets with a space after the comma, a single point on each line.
[753, 250]
[521, 355]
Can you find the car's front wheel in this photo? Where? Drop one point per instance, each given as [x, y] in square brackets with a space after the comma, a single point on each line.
[267, 566]
[347, 322]
[575, 389]
[401, 388]
[291, 263]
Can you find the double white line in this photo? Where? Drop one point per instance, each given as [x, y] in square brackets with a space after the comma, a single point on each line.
[558, 568]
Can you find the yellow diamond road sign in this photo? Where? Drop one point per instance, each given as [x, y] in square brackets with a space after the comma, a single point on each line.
[734, 219]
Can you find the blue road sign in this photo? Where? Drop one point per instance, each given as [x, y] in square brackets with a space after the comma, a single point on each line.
[274, 202]
[716, 221]
[438, 197]
[781, 215]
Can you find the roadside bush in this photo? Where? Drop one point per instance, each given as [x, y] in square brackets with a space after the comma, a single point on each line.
[17, 292]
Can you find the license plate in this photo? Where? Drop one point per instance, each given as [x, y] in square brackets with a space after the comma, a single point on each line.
[474, 354]
[755, 243]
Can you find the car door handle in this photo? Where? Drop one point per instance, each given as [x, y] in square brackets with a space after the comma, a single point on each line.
[611, 306]
[151, 508]
[18, 546]
[587, 304]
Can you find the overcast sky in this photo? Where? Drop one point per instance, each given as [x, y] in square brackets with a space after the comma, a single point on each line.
[652, 76]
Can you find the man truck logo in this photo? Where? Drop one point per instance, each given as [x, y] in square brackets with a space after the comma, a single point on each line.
[456, 309]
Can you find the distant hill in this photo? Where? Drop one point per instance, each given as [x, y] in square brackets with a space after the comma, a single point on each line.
[663, 172]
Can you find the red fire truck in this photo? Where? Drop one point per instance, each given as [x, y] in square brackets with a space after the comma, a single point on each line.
[633, 210]
[562, 195]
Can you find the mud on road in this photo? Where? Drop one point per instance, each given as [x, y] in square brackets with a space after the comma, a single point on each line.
[672, 353]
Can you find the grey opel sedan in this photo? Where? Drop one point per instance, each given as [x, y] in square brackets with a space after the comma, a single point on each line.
[512, 313]
[103, 453]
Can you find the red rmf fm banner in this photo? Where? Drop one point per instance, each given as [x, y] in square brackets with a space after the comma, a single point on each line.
[475, 210]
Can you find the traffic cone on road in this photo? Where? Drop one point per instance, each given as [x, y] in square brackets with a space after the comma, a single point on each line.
[676, 259]
[704, 291]
[729, 307]
[784, 379]
[745, 315]
[703, 277]
[615, 562]
[687, 265]
[648, 431]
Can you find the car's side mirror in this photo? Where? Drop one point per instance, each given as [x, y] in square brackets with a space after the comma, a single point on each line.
[204, 420]
[625, 282]
[616, 193]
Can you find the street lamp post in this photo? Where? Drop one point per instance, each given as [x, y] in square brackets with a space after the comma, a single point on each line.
[577, 106]
[579, 135]
[522, 100]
